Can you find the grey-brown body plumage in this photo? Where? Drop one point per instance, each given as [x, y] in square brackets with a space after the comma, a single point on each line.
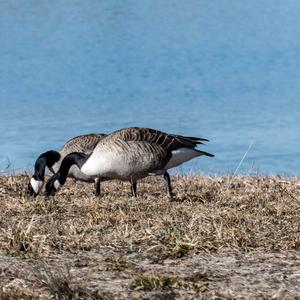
[152, 136]
[134, 153]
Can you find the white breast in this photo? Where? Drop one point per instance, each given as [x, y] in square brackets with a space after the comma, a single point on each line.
[99, 164]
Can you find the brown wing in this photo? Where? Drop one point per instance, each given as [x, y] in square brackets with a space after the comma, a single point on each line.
[82, 143]
[152, 136]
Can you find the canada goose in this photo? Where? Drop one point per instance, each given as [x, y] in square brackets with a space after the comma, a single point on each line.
[52, 159]
[131, 154]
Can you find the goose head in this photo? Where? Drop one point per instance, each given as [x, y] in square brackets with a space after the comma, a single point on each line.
[52, 186]
[36, 182]
[34, 186]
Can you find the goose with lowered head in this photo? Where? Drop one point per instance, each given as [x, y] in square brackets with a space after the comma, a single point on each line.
[131, 154]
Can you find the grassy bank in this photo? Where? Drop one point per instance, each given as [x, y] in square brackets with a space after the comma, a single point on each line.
[223, 237]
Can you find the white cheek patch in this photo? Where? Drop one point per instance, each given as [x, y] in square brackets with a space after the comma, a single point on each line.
[36, 185]
[57, 185]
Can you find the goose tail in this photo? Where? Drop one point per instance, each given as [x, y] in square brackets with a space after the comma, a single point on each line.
[200, 152]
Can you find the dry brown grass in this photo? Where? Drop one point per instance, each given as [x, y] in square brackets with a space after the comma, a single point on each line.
[223, 238]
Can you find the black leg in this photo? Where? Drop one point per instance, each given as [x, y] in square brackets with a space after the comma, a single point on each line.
[168, 186]
[133, 188]
[97, 191]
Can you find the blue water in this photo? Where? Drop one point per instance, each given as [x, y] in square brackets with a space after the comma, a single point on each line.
[227, 70]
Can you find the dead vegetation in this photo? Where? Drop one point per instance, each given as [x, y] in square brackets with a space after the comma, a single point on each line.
[222, 238]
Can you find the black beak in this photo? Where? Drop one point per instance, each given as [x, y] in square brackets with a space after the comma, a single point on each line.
[50, 193]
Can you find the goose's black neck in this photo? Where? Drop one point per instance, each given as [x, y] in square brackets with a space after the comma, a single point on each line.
[48, 159]
[75, 158]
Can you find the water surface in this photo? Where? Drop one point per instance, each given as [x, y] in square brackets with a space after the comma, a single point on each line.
[225, 70]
